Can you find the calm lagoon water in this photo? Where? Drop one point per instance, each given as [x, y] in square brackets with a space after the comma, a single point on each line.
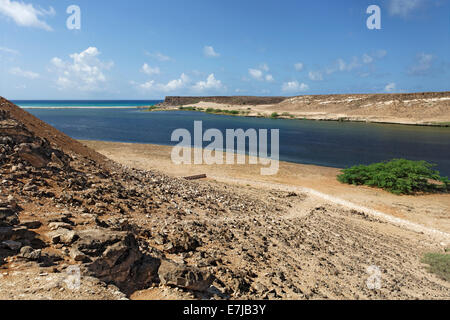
[334, 144]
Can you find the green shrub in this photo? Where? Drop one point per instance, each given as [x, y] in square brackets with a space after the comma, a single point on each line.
[188, 108]
[399, 176]
[210, 110]
[274, 115]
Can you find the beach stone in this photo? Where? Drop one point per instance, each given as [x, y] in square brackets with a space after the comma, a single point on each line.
[5, 233]
[29, 253]
[58, 225]
[77, 255]
[31, 224]
[56, 160]
[63, 236]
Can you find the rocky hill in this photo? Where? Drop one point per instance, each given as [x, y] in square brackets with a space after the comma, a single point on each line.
[234, 100]
[425, 108]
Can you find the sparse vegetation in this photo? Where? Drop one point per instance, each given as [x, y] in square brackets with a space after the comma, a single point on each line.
[399, 176]
[439, 264]
[188, 108]
[222, 111]
[152, 108]
[274, 115]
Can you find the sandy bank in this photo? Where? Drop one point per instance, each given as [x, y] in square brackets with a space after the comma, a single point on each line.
[429, 108]
[432, 211]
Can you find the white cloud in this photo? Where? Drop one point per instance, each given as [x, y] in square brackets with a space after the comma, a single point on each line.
[340, 65]
[158, 56]
[264, 67]
[172, 85]
[422, 64]
[294, 86]
[210, 83]
[149, 70]
[403, 7]
[175, 84]
[315, 75]
[379, 54]
[209, 52]
[84, 72]
[23, 73]
[26, 15]
[147, 85]
[260, 75]
[299, 66]
[8, 50]
[255, 74]
[390, 87]
[366, 58]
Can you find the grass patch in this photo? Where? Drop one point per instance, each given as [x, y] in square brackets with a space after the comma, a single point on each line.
[152, 108]
[439, 264]
[399, 176]
[188, 108]
[224, 111]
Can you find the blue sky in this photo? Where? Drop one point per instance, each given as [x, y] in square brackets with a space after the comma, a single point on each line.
[147, 49]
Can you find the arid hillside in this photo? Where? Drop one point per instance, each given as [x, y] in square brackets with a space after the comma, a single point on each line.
[427, 108]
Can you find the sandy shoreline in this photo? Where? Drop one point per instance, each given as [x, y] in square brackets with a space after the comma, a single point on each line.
[431, 211]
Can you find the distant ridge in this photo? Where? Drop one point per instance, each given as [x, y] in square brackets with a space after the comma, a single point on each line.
[235, 100]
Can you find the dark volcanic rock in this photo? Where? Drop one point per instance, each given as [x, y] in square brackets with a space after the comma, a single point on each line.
[116, 259]
[190, 278]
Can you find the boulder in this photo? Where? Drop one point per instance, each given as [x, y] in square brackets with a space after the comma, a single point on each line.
[34, 159]
[8, 217]
[115, 258]
[12, 245]
[63, 236]
[29, 253]
[31, 224]
[182, 276]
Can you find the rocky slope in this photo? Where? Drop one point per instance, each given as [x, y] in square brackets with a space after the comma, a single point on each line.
[422, 108]
[426, 108]
[66, 210]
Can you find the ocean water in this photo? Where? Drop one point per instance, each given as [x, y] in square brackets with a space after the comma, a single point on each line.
[84, 103]
[327, 143]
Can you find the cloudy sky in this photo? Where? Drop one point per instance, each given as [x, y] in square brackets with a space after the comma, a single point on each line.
[141, 49]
